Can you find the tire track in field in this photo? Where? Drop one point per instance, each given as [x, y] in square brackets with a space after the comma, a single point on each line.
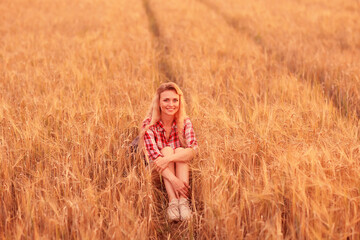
[338, 96]
[164, 66]
[234, 23]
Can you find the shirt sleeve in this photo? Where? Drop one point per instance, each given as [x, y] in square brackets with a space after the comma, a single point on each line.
[146, 122]
[151, 146]
[190, 135]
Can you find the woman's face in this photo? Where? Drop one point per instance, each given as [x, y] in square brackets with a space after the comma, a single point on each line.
[169, 102]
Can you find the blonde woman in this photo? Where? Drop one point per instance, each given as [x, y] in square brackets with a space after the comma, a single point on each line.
[168, 139]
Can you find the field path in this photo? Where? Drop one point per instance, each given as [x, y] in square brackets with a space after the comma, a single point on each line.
[165, 68]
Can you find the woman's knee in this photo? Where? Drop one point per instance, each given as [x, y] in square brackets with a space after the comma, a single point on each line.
[166, 151]
[182, 165]
[179, 149]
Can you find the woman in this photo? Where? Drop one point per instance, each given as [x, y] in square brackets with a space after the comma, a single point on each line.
[168, 138]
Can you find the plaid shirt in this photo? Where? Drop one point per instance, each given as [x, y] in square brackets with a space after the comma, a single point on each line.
[155, 138]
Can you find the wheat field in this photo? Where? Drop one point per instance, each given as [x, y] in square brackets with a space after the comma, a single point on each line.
[272, 88]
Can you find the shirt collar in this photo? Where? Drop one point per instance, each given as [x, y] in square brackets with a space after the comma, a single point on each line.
[160, 126]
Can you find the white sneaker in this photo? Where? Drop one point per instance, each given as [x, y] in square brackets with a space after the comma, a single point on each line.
[173, 210]
[185, 211]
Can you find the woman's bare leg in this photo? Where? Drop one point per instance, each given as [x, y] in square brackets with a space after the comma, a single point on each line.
[182, 169]
[182, 172]
[169, 189]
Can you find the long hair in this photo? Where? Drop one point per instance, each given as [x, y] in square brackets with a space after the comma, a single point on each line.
[154, 113]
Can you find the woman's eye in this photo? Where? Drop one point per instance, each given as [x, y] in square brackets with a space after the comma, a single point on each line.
[166, 100]
[176, 100]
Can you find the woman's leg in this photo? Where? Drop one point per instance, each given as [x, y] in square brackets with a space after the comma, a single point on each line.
[182, 168]
[182, 172]
[169, 189]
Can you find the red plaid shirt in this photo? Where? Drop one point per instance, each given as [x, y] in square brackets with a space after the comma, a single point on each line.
[155, 138]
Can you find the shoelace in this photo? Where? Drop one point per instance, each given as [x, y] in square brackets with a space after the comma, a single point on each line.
[172, 206]
[184, 204]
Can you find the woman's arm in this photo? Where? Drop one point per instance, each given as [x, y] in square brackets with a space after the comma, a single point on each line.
[166, 173]
[181, 188]
[182, 155]
[151, 147]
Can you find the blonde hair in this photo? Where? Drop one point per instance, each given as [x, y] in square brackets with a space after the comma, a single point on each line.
[154, 113]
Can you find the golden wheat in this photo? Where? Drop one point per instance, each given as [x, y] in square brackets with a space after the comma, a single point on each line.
[272, 90]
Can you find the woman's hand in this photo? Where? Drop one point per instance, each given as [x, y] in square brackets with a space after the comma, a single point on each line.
[180, 187]
[161, 164]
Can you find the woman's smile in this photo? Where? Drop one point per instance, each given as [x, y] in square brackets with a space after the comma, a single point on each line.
[171, 109]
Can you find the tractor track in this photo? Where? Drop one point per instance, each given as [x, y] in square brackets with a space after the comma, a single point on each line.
[164, 65]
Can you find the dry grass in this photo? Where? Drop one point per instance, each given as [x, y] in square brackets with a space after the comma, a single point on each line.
[272, 90]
